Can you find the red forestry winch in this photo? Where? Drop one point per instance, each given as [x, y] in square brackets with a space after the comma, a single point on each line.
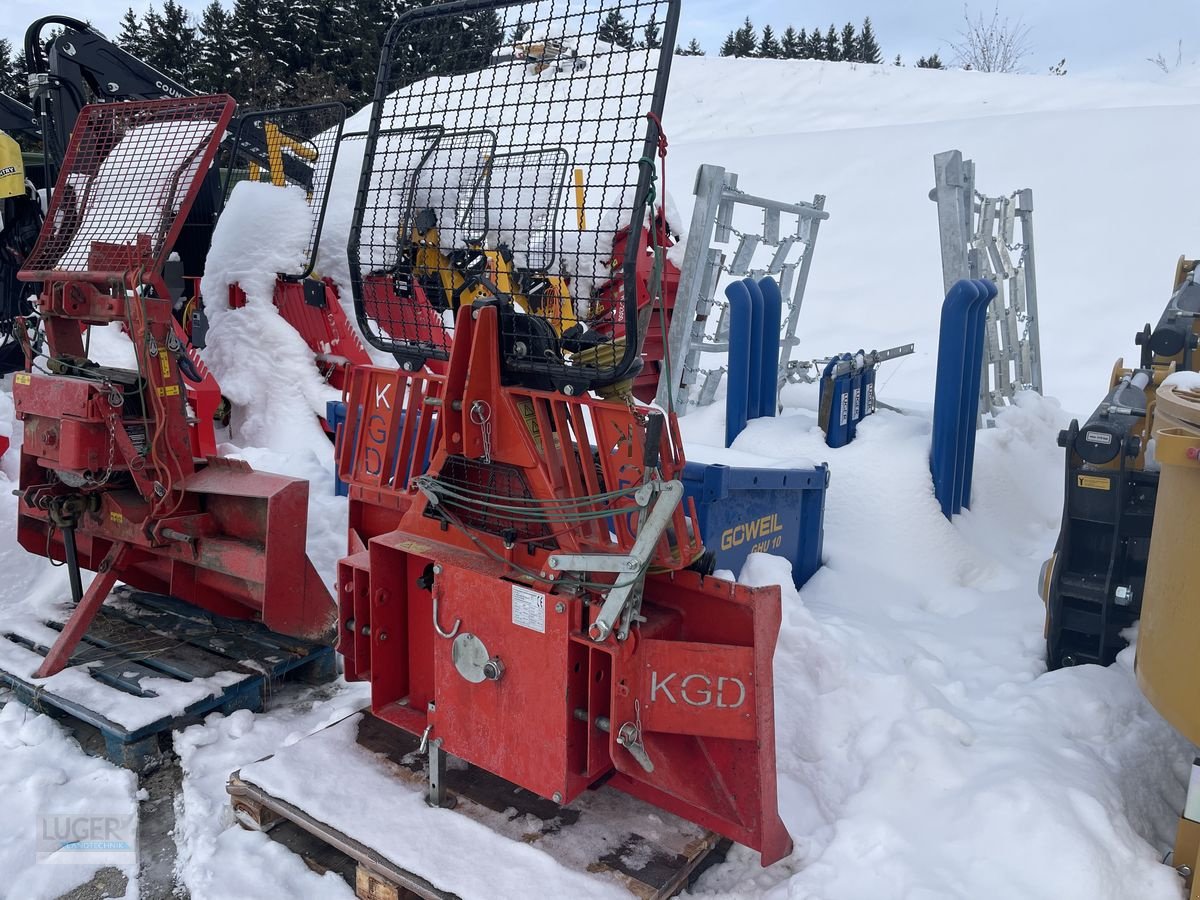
[116, 467]
[526, 588]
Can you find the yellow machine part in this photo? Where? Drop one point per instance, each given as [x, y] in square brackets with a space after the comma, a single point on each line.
[1168, 654]
[12, 168]
[1183, 268]
[556, 306]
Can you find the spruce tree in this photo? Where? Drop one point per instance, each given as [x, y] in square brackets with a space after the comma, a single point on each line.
[652, 34]
[745, 39]
[816, 45]
[132, 36]
[729, 45]
[171, 47]
[789, 46]
[692, 49]
[20, 71]
[868, 47]
[833, 49]
[932, 61]
[616, 29]
[768, 46]
[8, 74]
[214, 64]
[849, 44]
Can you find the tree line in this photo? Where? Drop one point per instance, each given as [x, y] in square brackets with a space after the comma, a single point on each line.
[291, 52]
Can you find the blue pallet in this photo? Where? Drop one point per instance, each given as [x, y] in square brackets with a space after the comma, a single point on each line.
[153, 636]
[778, 511]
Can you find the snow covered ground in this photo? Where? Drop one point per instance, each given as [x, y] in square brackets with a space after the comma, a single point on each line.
[923, 750]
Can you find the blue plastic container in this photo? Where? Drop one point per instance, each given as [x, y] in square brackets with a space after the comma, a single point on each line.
[779, 511]
[335, 415]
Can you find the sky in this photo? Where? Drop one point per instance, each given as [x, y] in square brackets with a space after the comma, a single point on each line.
[1106, 37]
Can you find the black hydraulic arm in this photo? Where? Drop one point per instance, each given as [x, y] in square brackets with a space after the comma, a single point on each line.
[80, 65]
[16, 117]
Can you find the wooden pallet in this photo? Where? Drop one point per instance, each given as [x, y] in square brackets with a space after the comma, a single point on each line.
[138, 637]
[645, 868]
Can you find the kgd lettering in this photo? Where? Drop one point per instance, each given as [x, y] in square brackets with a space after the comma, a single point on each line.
[696, 689]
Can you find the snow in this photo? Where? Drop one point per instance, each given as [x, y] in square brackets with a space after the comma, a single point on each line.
[216, 858]
[45, 773]
[923, 751]
[263, 365]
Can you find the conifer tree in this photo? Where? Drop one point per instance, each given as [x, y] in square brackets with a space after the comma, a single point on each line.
[868, 47]
[833, 49]
[171, 41]
[616, 29]
[132, 36]
[729, 45]
[849, 43]
[8, 73]
[932, 61]
[745, 39]
[692, 49]
[214, 64]
[790, 44]
[651, 34]
[768, 46]
[816, 45]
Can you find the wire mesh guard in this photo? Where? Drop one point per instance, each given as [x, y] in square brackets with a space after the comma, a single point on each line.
[294, 149]
[130, 174]
[509, 142]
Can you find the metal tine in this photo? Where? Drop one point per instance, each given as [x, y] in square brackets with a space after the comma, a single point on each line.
[1007, 220]
[744, 253]
[771, 226]
[781, 255]
[708, 391]
[787, 274]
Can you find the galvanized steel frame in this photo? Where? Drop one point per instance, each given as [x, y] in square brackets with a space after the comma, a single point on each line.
[717, 195]
[978, 239]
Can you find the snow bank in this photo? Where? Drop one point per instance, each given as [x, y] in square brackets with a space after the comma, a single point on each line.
[45, 773]
[264, 367]
[922, 750]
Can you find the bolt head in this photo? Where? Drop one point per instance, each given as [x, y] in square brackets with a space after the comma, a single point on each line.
[437, 570]
[557, 798]
[560, 607]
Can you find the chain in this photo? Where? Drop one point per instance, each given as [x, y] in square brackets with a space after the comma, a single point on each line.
[116, 400]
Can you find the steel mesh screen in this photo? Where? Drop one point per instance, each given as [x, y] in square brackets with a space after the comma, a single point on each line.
[292, 148]
[130, 174]
[509, 142]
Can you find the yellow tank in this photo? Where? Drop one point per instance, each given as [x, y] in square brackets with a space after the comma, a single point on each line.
[1168, 655]
[1168, 652]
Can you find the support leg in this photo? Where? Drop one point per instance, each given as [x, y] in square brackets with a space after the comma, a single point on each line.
[437, 795]
[81, 618]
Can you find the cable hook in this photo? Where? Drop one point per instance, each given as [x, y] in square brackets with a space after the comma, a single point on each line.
[437, 627]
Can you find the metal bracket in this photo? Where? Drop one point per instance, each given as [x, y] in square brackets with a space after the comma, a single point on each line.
[624, 595]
